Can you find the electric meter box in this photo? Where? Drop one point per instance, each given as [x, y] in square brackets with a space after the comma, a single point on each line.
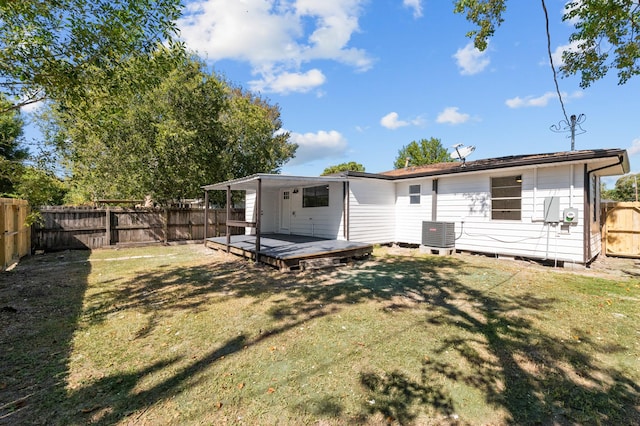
[570, 215]
[552, 210]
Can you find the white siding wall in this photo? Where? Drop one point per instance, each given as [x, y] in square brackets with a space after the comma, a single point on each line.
[372, 211]
[380, 212]
[466, 200]
[323, 222]
[250, 205]
[409, 217]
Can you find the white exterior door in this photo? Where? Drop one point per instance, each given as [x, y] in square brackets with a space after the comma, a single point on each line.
[285, 211]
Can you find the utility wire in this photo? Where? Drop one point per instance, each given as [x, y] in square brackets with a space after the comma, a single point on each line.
[553, 68]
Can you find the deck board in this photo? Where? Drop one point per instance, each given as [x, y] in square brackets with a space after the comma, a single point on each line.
[290, 251]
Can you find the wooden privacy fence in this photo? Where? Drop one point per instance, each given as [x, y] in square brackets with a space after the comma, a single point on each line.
[89, 228]
[621, 229]
[15, 241]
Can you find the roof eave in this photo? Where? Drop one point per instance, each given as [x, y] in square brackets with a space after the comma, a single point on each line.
[248, 182]
[524, 162]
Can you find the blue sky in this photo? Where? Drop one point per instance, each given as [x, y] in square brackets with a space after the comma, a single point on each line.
[358, 79]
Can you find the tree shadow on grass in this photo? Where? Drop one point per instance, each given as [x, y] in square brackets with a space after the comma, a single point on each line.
[40, 303]
[401, 399]
[487, 343]
[533, 376]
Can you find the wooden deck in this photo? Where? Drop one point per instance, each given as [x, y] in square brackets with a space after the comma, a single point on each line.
[293, 252]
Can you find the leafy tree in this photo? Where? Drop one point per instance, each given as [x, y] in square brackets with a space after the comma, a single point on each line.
[423, 152]
[351, 166]
[50, 49]
[191, 129]
[11, 155]
[607, 34]
[40, 188]
[626, 188]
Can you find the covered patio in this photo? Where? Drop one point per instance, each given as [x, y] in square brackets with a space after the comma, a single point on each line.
[282, 231]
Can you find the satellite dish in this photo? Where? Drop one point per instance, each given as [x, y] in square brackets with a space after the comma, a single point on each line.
[462, 152]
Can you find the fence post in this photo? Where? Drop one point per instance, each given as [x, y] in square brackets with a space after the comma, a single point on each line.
[165, 224]
[107, 225]
[24, 232]
[4, 233]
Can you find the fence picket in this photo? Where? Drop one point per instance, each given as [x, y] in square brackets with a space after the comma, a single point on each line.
[73, 227]
[15, 239]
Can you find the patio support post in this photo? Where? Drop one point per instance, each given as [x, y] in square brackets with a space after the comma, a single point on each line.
[586, 228]
[258, 214]
[228, 218]
[206, 214]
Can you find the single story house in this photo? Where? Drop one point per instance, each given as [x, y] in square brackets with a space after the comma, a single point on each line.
[542, 206]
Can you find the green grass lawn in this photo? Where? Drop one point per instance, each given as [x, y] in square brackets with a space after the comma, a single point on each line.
[184, 335]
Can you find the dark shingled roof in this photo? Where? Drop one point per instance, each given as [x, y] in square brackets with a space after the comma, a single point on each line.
[499, 163]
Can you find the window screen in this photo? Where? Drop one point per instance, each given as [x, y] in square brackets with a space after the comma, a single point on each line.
[506, 198]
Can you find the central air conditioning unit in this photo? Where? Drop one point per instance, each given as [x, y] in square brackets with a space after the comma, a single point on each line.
[438, 234]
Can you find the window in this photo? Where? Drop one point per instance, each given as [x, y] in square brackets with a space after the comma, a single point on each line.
[315, 196]
[414, 194]
[506, 198]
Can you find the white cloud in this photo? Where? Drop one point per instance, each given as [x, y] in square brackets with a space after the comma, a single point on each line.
[540, 101]
[289, 82]
[316, 146]
[635, 147]
[275, 37]
[471, 60]
[556, 55]
[450, 115]
[391, 121]
[416, 5]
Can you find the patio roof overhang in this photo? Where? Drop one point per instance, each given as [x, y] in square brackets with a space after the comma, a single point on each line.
[271, 181]
[259, 182]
